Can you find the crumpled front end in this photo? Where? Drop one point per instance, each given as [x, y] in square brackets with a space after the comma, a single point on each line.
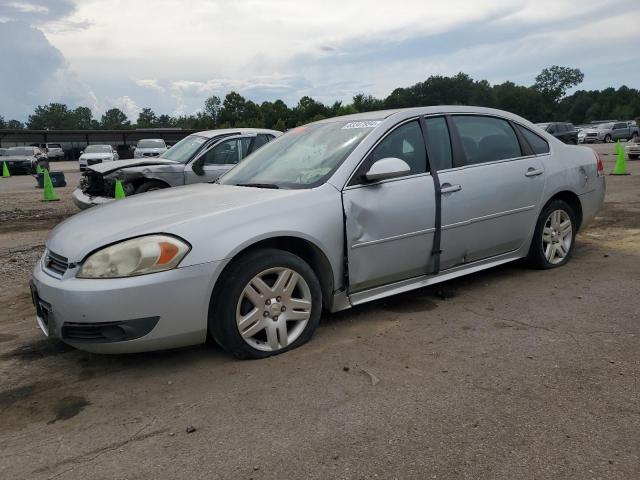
[96, 188]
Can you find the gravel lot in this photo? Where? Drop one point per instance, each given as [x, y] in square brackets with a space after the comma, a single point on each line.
[507, 374]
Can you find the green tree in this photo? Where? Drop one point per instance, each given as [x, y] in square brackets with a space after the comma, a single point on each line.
[164, 121]
[3, 124]
[232, 110]
[553, 82]
[82, 118]
[146, 118]
[53, 116]
[15, 125]
[114, 119]
[280, 125]
[212, 107]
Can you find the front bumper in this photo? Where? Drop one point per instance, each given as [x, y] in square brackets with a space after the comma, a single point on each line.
[160, 310]
[84, 201]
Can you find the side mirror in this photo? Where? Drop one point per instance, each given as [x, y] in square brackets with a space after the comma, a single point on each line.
[197, 166]
[81, 152]
[387, 168]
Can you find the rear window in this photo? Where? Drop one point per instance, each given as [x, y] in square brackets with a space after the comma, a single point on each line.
[486, 139]
[538, 144]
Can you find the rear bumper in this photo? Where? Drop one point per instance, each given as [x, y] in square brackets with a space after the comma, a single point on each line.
[127, 315]
[84, 201]
[592, 202]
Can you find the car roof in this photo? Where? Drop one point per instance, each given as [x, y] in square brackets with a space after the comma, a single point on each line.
[229, 131]
[432, 110]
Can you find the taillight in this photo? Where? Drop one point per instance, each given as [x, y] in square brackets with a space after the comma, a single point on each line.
[600, 164]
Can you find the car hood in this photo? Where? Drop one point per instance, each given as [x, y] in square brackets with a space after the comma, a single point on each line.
[104, 168]
[95, 156]
[162, 211]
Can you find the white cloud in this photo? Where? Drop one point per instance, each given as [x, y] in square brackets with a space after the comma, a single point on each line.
[128, 106]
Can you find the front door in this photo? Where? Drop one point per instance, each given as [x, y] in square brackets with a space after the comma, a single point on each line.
[217, 160]
[390, 224]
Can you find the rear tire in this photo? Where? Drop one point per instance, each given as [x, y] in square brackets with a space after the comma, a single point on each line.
[554, 236]
[252, 319]
[607, 138]
[150, 186]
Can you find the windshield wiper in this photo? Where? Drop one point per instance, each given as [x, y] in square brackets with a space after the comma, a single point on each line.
[258, 185]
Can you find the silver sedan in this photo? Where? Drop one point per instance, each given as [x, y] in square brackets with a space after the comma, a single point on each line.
[328, 216]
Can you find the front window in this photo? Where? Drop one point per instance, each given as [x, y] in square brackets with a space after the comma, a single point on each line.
[183, 150]
[301, 158]
[605, 126]
[98, 149]
[151, 143]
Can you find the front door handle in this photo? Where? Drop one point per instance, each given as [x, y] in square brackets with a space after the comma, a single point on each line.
[532, 172]
[448, 188]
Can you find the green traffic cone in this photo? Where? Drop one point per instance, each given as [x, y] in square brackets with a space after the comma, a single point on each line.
[621, 164]
[119, 194]
[49, 193]
[5, 170]
[38, 168]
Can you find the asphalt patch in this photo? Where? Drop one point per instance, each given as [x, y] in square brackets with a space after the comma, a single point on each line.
[13, 395]
[37, 350]
[7, 337]
[69, 407]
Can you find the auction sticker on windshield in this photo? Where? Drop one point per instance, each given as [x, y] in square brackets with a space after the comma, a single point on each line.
[364, 124]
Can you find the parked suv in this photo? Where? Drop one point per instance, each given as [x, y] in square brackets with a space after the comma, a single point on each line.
[198, 158]
[609, 132]
[564, 132]
[95, 154]
[24, 159]
[53, 150]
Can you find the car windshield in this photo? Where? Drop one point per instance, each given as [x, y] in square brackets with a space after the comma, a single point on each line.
[98, 149]
[19, 151]
[604, 126]
[184, 149]
[301, 158]
[151, 143]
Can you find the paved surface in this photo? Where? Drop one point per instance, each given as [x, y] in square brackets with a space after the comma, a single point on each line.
[506, 374]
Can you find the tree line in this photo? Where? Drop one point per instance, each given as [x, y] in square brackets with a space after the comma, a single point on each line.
[545, 100]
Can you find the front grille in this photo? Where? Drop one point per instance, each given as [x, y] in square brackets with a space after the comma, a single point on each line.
[56, 263]
[592, 134]
[152, 154]
[93, 161]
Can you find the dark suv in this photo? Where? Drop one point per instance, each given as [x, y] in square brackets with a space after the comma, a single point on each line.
[565, 132]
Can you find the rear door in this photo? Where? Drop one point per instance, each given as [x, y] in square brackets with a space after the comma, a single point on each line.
[489, 203]
[390, 223]
[620, 131]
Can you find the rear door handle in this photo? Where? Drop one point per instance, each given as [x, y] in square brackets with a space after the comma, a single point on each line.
[448, 188]
[532, 172]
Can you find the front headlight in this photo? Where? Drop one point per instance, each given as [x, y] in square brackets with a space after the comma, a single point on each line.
[138, 256]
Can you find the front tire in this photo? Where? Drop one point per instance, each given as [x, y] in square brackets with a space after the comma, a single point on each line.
[150, 186]
[267, 302]
[554, 236]
[607, 138]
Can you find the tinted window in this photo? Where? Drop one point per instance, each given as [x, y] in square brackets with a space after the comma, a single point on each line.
[438, 143]
[223, 154]
[245, 143]
[405, 143]
[562, 127]
[620, 125]
[486, 139]
[538, 144]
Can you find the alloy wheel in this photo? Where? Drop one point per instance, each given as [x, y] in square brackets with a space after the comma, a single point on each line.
[273, 309]
[557, 236]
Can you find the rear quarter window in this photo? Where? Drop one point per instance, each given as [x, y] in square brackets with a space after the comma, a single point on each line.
[538, 144]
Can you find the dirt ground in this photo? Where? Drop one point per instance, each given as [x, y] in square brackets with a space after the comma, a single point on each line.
[507, 374]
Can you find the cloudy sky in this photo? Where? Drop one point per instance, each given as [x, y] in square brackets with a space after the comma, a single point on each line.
[171, 54]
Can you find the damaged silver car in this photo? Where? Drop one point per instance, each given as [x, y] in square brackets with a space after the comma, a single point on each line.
[328, 216]
[198, 158]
